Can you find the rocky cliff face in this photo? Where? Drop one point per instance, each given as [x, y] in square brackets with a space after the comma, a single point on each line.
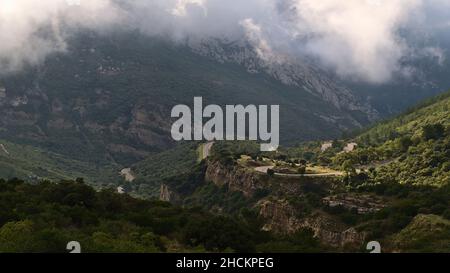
[235, 178]
[362, 204]
[281, 217]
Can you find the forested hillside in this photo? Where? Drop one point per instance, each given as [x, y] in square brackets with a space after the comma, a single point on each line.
[45, 217]
[413, 148]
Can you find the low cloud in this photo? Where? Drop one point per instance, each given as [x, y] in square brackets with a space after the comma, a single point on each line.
[358, 39]
[31, 30]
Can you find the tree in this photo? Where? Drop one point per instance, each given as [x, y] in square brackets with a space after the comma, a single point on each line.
[18, 237]
[404, 143]
[433, 131]
[347, 166]
[446, 167]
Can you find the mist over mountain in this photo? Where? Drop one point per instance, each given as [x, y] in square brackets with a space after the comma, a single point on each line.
[110, 99]
[357, 40]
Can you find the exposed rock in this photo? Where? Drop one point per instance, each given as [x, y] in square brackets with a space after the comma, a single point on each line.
[363, 204]
[127, 116]
[236, 178]
[289, 70]
[167, 195]
[281, 217]
[127, 174]
[164, 193]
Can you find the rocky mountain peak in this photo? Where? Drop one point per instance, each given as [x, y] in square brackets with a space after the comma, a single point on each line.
[289, 70]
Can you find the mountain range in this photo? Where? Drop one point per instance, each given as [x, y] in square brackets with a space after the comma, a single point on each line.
[108, 99]
[349, 169]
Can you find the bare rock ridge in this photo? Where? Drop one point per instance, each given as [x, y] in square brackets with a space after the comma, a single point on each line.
[290, 71]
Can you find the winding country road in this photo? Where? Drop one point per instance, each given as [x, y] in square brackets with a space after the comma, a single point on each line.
[264, 169]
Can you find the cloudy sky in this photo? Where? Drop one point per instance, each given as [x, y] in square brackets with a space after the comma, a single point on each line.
[356, 38]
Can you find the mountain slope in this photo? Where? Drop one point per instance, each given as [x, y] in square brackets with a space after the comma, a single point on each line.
[290, 70]
[168, 167]
[431, 111]
[108, 99]
[33, 164]
[415, 146]
[426, 233]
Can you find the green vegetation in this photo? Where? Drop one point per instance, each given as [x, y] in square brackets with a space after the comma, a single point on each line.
[394, 186]
[405, 160]
[46, 216]
[218, 199]
[413, 148]
[165, 167]
[34, 164]
[426, 233]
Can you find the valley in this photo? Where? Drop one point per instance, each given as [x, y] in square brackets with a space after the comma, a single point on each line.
[87, 135]
[306, 197]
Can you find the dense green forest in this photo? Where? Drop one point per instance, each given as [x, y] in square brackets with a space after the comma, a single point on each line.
[412, 149]
[46, 216]
[164, 167]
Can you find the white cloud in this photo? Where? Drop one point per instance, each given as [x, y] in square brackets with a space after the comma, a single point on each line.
[30, 30]
[254, 35]
[181, 6]
[357, 38]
